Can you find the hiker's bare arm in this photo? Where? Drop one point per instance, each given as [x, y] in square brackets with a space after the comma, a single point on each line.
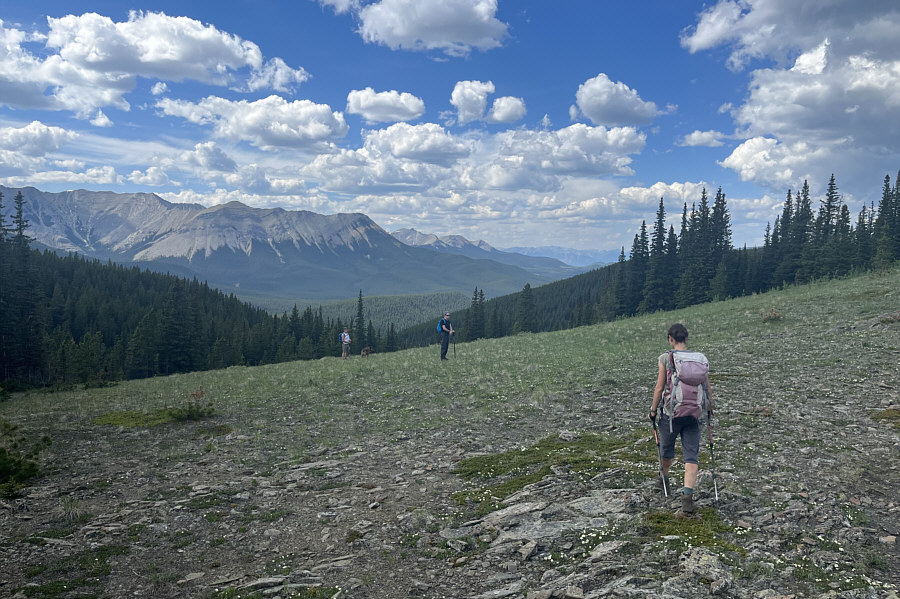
[657, 391]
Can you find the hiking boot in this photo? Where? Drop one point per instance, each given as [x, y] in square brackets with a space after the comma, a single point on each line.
[687, 505]
[662, 483]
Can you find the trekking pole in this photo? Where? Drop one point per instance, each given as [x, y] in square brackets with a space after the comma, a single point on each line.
[453, 336]
[711, 454]
[662, 476]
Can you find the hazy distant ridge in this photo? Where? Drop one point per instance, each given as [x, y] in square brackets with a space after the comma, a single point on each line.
[568, 255]
[457, 244]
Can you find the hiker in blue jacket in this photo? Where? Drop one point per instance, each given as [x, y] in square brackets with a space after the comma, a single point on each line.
[446, 333]
[675, 424]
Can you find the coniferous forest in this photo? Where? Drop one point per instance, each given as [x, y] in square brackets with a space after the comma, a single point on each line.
[68, 320]
[666, 270]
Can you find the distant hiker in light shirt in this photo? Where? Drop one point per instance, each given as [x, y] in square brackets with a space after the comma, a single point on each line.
[345, 344]
[446, 333]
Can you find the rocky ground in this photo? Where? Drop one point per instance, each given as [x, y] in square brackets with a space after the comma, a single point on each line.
[806, 474]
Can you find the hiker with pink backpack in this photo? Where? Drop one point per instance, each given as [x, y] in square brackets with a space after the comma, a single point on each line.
[682, 386]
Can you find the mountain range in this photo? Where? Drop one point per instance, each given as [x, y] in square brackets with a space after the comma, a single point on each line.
[480, 250]
[254, 251]
[587, 259]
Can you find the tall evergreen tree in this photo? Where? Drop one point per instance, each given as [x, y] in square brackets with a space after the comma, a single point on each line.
[24, 326]
[655, 291]
[636, 270]
[829, 211]
[371, 336]
[526, 319]
[359, 334]
[695, 251]
[720, 224]
[865, 247]
[390, 343]
[887, 224]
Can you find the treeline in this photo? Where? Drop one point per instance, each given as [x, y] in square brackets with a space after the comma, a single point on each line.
[666, 270]
[403, 310]
[67, 320]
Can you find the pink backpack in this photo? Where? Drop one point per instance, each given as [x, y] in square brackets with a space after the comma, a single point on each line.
[687, 388]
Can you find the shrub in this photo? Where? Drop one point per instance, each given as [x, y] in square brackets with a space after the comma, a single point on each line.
[17, 465]
[770, 316]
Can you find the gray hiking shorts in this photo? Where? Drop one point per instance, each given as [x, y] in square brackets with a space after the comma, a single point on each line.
[689, 429]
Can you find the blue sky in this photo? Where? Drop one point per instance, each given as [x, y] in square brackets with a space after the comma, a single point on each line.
[519, 122]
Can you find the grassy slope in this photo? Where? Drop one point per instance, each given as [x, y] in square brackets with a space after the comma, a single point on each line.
[511, 378]
[382, 310]
[827, 365]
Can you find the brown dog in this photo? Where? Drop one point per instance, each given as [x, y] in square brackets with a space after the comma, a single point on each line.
[365, 351]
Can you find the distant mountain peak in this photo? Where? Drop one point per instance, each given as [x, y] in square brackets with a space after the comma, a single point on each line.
[418, 239]
[286, 253]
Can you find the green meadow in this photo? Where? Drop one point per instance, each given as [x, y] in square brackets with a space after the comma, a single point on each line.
[806, 390]
[508, 381]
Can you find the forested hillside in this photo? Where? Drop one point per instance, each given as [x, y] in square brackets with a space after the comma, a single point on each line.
[402, 310]
[665, 270]
[67, 319]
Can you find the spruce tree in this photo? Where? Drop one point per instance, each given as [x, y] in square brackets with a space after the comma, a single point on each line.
[526, 319]
[636, 270]
[390, 343]
[864, 238]
[654, 292]
[359, 333]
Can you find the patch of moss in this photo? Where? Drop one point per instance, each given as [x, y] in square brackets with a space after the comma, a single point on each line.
[135, 418]
[512, 470]
[705, 530]
[204, 501]
[488, 499]
[890, 415]
[142, 418]
[586, 454]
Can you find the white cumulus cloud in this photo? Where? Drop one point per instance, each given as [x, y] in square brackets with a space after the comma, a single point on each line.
[269, 123]
[34, 139]
[828, 95]
[428, 142]
[91, 61]
[710, 139]
[454, 27]
[101, 120]
[401, 157]
[381, 107]
[506, 110]
[153, 176]
[607, 102]
[470, 99]
[757, 29]
[209, 157]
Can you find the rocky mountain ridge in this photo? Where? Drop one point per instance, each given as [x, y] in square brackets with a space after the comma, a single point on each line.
[242, 249]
